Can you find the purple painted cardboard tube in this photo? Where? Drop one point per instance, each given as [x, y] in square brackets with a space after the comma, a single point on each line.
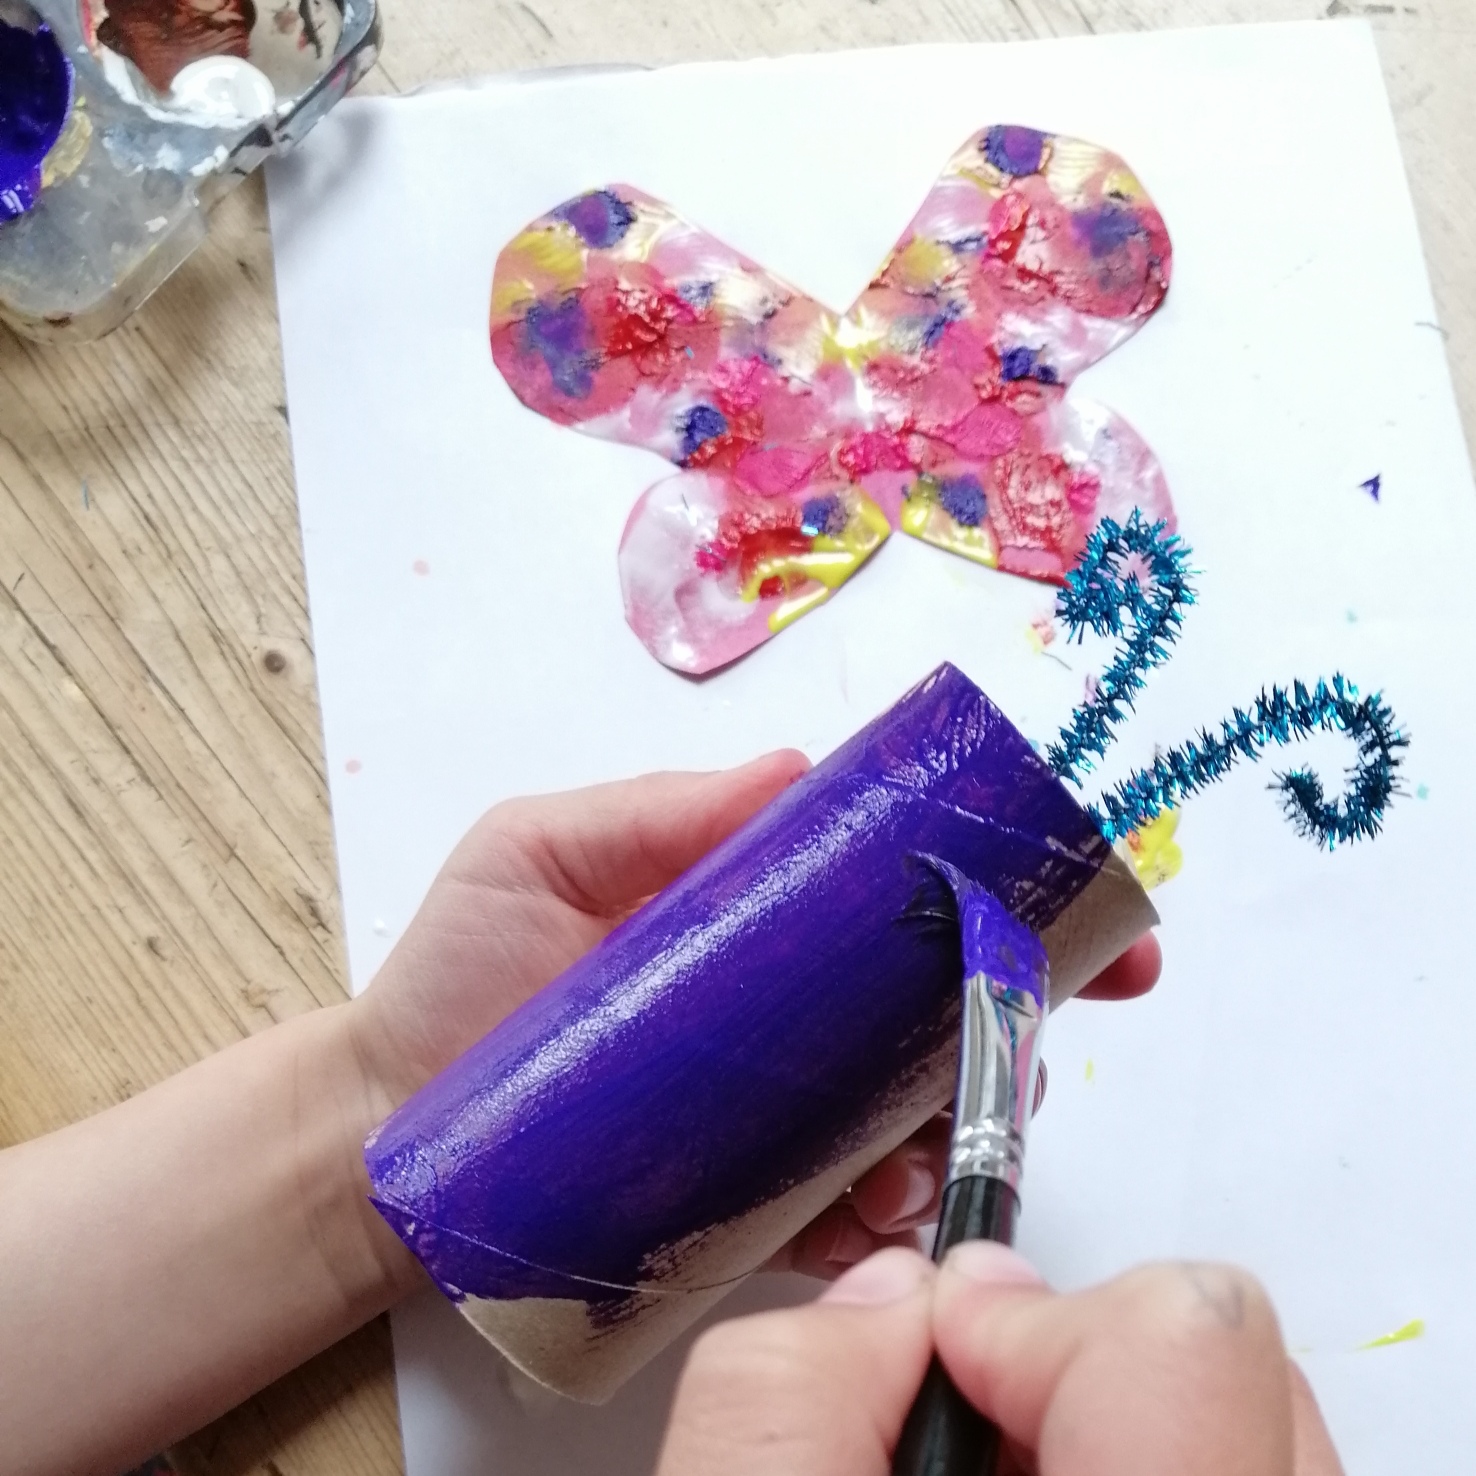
[658, 1121]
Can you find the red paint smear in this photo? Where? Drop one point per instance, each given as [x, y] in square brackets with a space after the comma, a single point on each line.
[871, 451]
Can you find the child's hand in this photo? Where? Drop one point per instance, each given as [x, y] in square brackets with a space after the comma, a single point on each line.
[537, 883]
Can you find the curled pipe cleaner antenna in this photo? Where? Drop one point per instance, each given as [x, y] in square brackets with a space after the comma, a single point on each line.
[1333, 706]
[1101, 597]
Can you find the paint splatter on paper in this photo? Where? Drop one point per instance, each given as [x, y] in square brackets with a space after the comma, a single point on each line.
[1406, 1334]
[1373, 486]
[936, 404]
[1152, 851]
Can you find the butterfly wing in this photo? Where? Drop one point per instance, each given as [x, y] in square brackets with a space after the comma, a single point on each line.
[1032, 257]
[614, 315]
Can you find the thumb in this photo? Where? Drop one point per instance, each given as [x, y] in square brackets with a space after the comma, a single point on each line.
[820, 1390]
[1171, 1370]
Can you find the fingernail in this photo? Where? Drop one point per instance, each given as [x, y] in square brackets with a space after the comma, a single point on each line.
[888, 1276]
[992, 1264]
[849, 1243]
[922, 1185]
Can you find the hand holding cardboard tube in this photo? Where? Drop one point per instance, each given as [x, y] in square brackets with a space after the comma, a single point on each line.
[221, 1217]
[786, 1010]
[538, 882]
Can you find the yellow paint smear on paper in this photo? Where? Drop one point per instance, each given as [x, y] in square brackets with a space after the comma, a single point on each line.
[1091, 1071]
[1406, 1334]
[1152, 851]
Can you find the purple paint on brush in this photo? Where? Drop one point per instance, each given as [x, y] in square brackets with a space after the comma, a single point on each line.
[736, 1036]
[994, 942]
[1001, 948]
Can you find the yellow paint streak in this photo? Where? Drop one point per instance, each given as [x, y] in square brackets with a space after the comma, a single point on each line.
[852, 340]
[510, 295]
[1091, 1071]
[792, 609]
[922, 264]
[552, 251]
[829, 563]
[70, 149]
[915, 514]
[1152, 851]
[1125, 183]
[925, 518]
[1406, 1334]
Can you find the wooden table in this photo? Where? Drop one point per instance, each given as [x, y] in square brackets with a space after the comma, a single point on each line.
[167, 878]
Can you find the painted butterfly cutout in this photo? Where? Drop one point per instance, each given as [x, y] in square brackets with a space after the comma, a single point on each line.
[937, 404]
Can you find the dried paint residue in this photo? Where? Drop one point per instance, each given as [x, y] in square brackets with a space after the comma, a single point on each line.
[1406, 1334]
[1152, 851]
[160, 37]
[936, 404]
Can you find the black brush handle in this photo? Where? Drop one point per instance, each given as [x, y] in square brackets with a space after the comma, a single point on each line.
[944, 1434]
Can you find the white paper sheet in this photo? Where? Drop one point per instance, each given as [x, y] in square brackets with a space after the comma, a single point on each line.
[1295, 1094]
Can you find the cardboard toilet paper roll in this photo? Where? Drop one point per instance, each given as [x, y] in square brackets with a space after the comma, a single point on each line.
[603, 1166]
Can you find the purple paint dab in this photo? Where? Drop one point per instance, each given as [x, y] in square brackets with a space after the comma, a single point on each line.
[1014, 150]
[1373, 486]
[601, 217]
[35, 98]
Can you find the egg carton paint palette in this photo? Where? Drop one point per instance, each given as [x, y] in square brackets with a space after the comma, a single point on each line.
[122, 123]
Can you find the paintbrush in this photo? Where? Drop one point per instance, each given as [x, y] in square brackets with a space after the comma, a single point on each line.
[1005, 991]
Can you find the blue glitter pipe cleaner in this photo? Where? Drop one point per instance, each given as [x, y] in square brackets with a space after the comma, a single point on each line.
[1101, 596]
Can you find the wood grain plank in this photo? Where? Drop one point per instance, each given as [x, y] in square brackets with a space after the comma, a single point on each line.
[167, 879]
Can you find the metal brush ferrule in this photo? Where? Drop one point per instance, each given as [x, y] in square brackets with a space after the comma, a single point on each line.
[996, 1081]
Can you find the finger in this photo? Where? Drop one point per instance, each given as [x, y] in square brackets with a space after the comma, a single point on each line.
[834, 1241]
[902, 1191]
[1171, 1370]
[605, 847]
[813, 1391]
[1131, 974]
[1314, 1453]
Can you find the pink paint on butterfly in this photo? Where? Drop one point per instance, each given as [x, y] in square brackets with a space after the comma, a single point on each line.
[936, 404]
